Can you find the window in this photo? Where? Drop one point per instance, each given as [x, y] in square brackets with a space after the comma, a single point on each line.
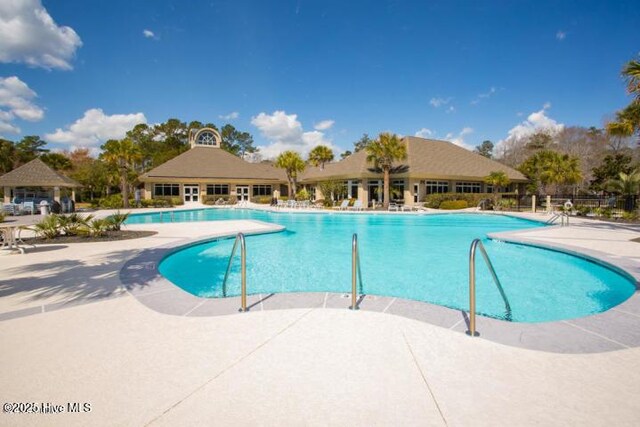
[397, 189]
[489, 188]
[352, 189]
[217, 189]
[468, 187]
[206, 138]
[436, 187]
[261, 190]
[166, 189]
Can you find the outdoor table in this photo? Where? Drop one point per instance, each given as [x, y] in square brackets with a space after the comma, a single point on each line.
[10, 241]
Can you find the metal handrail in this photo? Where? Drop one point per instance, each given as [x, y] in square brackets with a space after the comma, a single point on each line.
[472, 285]
[356, 273]
[243, 271]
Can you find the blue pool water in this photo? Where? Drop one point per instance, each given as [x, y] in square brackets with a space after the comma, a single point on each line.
[419, 257]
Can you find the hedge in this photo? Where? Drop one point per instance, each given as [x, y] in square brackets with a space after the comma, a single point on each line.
[472, 199]
[454, 204]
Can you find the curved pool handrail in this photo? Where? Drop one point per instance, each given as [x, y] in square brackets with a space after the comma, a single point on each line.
[243, 270]
[477, 243]
[355, 272]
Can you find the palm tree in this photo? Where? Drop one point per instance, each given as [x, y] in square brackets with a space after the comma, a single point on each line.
[497, 179]
[631, 73]
[383, 152]
[320, 155]
[122, 154]
[293, 164]
[628, 185]
[620, 130]
[561, 170]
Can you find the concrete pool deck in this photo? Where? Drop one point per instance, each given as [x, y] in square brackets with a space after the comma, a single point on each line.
[84, 338]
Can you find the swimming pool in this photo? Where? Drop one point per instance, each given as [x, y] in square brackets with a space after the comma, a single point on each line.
[418, 257]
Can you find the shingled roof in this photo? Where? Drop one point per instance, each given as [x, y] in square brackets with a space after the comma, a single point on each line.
[36, 174]
[212, 163]
[426, 158]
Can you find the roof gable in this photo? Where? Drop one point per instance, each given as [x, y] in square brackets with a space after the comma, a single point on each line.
[205, 162]
[36, 174]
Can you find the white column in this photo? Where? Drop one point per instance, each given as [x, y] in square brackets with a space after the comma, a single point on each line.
[533, 203]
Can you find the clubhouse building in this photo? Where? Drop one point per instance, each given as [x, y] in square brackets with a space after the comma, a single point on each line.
[432, 166]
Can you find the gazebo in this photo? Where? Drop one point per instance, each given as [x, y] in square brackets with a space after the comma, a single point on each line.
[36, 181]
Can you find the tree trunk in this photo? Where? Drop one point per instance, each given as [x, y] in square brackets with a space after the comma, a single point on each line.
[125, 190]
[294, 184]
[385, 192]
[289, 187]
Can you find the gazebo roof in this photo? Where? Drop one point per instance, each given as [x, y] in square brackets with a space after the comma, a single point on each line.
[36, 174]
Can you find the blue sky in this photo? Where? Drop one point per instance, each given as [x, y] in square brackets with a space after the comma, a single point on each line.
[459, 70]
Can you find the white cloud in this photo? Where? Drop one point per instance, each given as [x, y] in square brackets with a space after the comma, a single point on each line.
[486, 95]
[231, 116]
[424, 133]
[459, 138]
[16, 100]
[95, 127]
[561, 35]
[451, 109]
[438, 102]
[149, 34]
[285, 132]
[535, 122]
[29, 35]
[324, 125]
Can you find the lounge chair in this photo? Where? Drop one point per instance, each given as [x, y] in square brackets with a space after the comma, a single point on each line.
[10, 209]
[393, 207]
[357, 205]
[344, 205]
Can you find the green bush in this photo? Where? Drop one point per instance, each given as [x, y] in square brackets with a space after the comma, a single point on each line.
[96, 227]
[72, 223]
[263, 200]
[48, 227]
[113, 201]
[115, 221]
[2, 216]
[472, 199]
[454, 204]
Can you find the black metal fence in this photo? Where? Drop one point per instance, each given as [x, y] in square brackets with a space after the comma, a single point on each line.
[582, 204]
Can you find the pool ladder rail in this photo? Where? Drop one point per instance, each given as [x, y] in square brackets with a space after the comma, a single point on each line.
[356, 273]
[239, 241]
[477, 243]
[563, 216]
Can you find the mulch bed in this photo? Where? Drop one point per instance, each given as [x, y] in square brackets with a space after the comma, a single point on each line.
[110, 236]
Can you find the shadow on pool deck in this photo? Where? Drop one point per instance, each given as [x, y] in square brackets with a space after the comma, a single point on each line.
[70, 282]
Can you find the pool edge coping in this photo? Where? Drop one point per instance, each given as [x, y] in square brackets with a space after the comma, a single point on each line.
[545, 334]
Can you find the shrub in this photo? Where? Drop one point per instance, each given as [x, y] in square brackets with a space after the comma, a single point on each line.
[72, 223]
[2, 216]
[263, 200]
[115, 221]
[472, 199]
[111, 202]
[454, 204]
[48, 227]
[630, 216]
[96, 227]
[303, 194]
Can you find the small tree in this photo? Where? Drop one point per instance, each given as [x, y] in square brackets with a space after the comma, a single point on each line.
[383, 152]
[122, 154]
[293, 164]
[497, 179]
[320, 155]
[485, 149]
[628, 185]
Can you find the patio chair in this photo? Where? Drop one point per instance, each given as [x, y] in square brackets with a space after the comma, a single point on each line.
[280, 204]
[344, 205]
[357, 205]
[10, 209]
[393, 207]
